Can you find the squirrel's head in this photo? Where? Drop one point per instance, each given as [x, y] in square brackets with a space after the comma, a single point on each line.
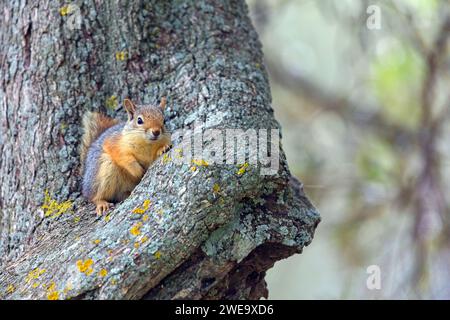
[146, 121]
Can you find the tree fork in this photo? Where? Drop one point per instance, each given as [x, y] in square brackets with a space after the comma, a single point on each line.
[58, 61]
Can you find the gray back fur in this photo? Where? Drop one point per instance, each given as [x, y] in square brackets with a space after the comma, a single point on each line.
[92, 160]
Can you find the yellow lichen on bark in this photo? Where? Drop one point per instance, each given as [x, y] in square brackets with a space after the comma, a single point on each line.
[200, 162]
[34, 274]
[111, 102]
[53, 208]
[102, 273]
[136, 229]
[143, 208]
[242, 169]
[121, 55]
[85, 266]
[52, 294]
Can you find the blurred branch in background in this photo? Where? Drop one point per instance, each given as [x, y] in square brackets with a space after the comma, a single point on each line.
[429, 194]
[342, 104]
[373, 109]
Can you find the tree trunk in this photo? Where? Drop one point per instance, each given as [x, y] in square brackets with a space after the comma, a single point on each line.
[209, 233]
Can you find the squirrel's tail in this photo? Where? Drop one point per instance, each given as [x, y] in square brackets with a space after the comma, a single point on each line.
[94, 124]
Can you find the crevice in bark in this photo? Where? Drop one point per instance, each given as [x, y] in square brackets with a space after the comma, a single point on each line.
[27, 46]
[246, 280]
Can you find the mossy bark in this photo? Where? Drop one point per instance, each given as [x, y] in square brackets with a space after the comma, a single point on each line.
[59, 61]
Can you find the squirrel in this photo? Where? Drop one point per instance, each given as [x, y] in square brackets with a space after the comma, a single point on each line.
[115, 155]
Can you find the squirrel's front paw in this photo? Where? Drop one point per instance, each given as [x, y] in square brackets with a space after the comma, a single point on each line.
[102, 206]
[163, 149]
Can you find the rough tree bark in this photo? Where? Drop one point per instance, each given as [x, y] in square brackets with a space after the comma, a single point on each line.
[209, 233]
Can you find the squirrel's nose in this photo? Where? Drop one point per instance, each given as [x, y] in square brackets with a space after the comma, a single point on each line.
[155, 133]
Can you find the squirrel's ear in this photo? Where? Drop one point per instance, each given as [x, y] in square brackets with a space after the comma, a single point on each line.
[130, 107]
[162, 104]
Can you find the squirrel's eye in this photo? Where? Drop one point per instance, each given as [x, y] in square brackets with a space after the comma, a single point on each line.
[139, 120]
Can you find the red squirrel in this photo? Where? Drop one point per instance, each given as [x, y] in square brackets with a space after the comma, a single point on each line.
[115, 155]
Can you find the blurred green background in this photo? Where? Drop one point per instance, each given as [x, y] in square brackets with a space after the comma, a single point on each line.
[364, 107]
